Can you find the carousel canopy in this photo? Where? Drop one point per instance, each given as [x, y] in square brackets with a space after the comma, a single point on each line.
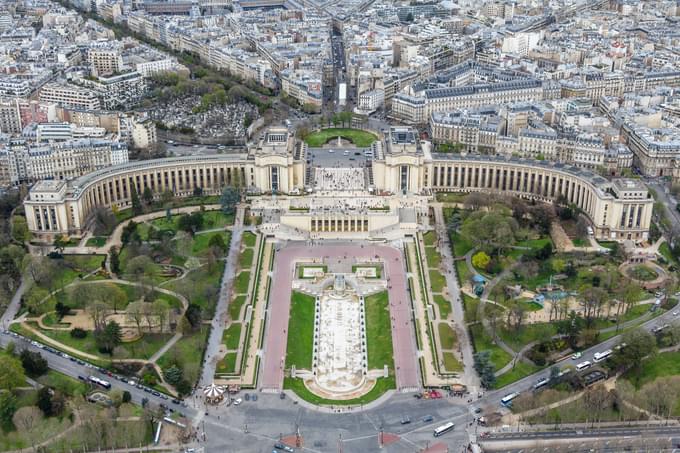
[213, 391]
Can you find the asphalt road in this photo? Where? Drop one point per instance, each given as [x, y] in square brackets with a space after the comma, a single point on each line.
[527, 383]
[74, 369]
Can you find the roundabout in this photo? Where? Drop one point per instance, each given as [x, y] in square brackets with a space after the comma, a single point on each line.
[359, 138]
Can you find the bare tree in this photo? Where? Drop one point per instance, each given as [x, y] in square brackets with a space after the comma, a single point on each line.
[27, 419]
[135, 313]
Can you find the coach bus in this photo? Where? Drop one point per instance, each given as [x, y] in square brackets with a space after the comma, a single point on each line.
[600, 356]
[445, 428]
[102, 382]
[507, 399]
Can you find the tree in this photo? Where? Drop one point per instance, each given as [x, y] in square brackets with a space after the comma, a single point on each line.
[77, 332]
[12, 372]
[44, 402]
[639, 344]
[114, 259]
[103, 221]
[516, 315]
[8, 406]
[485, 369]
[172, 375]
[127, 397]
[480, 260]
[161, 310]
[193, 315]
[558, 265]
[34, 363]
[229, 200]
[217, 242]
[409, 17]
[166, 197]
[61, 309]
[112, 293]
[20, 229]
[108, 338]
[147, 195]
[135, 313]
[141, 269]
[191, 222]
[136, 202]
[597, 399]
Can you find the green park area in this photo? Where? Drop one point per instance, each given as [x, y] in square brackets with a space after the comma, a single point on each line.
[537, 293]
[378, 339]
[55, 417]
[169, 272]
[358, 137]
[299, 346]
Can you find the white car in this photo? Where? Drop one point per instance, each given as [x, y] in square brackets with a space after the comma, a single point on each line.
[675, 313]
[237, 401]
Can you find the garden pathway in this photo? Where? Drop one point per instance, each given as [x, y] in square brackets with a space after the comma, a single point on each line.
[468, 376]
[219, 320]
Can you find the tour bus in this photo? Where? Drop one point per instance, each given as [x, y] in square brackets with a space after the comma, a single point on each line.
[583, 365]
[541, 383]
[600, 356]
[507, 399]
[445, 428]
[102, 382]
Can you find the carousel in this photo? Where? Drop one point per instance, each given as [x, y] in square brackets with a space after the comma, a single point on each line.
[213, 394]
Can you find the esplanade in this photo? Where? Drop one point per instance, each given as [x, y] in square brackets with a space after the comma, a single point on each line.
[403, 166]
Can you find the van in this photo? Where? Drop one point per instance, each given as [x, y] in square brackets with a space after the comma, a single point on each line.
[583, 365]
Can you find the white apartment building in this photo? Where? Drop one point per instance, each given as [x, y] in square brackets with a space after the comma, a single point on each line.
[26, 162]
[66, 95]
[371, 100]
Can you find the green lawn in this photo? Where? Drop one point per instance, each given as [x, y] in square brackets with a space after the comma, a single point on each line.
[451, 197]
[482, 342]
[249, 239]
[378, 332]
[437, 280]
[665, 251]
[447, 336]
[444, 305]
[188, 353]
[301, 331]
[360, 138]
[460, 245]
[663, 364]
[470, 305]
[451, 363]
[228, 363]
[235, 307]
[580, 242]
[241, 282]
[430, 238]
[200, 241]
[96, 241]
[462, 271]
[520, 371]
[143, 348]
[526, 334]
[232, 335]
[246, 258]
[298, 386]
[434, 259]
[211, 220]
[65, 384]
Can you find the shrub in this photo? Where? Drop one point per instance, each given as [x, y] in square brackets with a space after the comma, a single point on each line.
[77, 332]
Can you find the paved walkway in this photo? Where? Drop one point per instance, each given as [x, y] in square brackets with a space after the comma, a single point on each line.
[468, 376]
[403, 342]
[13, 307]
[219, 321]
[431, 374]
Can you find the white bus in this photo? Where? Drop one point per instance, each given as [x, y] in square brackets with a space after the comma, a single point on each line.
[102, 382]
[507, 399]
[600, 356]
[541, 383]
[583, 365]
[445, 428]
